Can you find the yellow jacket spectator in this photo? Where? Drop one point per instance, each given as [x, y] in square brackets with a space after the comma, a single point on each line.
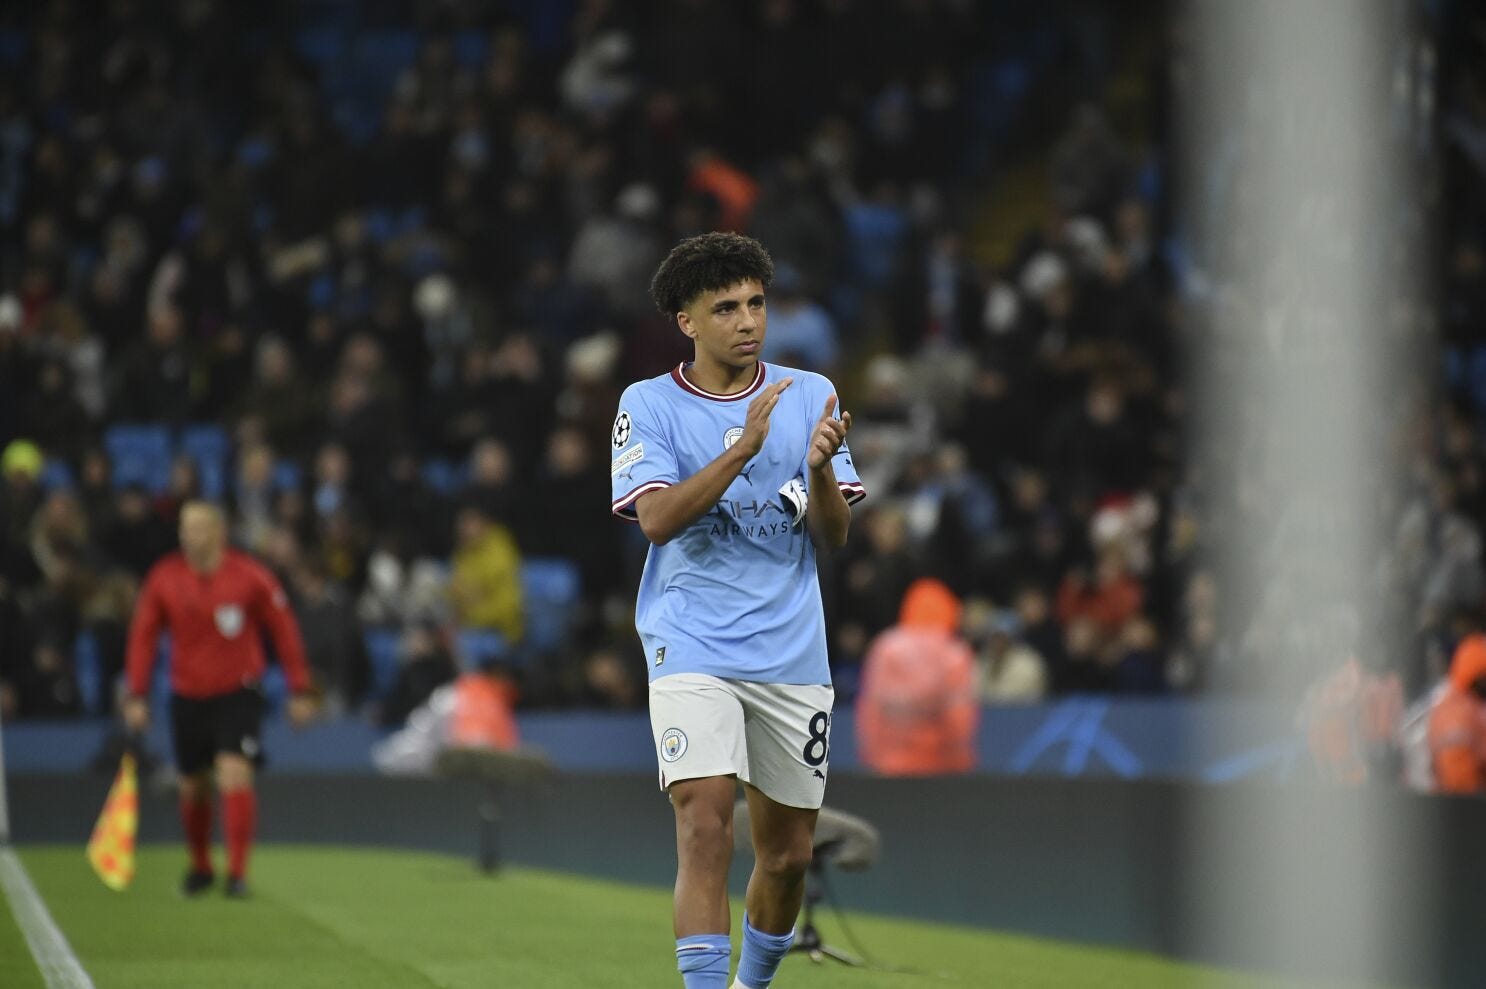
[486, 584]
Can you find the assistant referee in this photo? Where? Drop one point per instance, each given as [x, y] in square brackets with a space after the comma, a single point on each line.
[215, 602]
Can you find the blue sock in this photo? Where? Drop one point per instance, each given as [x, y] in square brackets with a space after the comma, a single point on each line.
[703, 960]
[761, 956]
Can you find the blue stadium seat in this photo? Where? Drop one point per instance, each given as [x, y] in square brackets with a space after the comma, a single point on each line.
[13, 45]
[471, 49]
[55, 474]
[210, 447]
[478, 646]
[320, 45]
[275, 688]
[87, 666]
[286, 475]
[140, 454]
[443, 476]
[381, 654]
[550, 588]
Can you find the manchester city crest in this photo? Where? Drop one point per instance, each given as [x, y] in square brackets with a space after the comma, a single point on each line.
[673, 744]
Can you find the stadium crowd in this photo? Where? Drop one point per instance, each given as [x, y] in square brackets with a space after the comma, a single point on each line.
[376, 273]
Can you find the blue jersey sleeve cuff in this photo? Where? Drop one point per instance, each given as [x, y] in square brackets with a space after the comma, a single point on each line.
[624, 506]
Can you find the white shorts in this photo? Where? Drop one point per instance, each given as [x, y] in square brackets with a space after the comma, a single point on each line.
[775, 736]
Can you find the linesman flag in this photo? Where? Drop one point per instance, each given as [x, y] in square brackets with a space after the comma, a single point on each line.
[111, 849]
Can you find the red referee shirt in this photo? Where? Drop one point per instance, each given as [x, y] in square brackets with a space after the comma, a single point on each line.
[214, 622]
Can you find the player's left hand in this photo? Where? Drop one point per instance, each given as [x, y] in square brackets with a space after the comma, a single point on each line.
[302, 709]
[828, 436]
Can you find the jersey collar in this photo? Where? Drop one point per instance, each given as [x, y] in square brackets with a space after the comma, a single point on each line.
[687, 386]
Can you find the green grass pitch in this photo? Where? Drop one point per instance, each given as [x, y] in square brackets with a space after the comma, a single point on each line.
[327, 917]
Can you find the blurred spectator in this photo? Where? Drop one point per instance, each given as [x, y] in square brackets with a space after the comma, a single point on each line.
[139, 536]
[52, 415]
[485, 586]
[20, 495]
[876, 571]
[492, 484]
[279, 398]
[917, 712]
[562, 494]
[425, 664]
[801, 333]
[253, 496]
[1010, 670]
[1110, 599]
[1457, 722]
[154, 377]
[332, 638]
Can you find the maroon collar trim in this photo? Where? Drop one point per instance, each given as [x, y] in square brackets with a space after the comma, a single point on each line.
[680, 379]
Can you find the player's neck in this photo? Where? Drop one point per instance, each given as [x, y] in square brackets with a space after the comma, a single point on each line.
[206, 565]
[718, 378]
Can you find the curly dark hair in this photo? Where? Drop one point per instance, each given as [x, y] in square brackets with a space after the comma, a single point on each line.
[707, 263]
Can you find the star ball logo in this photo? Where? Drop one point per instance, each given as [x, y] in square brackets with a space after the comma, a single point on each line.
[673, 744]
[622, 428]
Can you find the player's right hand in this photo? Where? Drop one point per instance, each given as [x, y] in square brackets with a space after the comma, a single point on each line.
[136, 712]
[756, 425]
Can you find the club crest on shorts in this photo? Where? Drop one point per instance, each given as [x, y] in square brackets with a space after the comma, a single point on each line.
[673, 744]
[229, 619]
[731, 436]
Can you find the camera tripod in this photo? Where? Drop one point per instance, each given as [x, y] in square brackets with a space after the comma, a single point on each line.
[807, 936]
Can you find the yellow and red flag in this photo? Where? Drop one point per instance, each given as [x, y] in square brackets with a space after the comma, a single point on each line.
[111, 849]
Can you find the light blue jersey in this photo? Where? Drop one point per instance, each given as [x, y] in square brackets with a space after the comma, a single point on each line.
[735, 594]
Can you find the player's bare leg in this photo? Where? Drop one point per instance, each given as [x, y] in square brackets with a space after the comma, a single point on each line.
[704, 850]
[196, 823]
[239, 814]
[783, 842]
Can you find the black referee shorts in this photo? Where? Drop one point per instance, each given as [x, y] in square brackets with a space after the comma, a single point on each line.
[201, 727]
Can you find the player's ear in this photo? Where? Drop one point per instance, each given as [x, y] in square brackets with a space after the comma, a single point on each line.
[684, 321]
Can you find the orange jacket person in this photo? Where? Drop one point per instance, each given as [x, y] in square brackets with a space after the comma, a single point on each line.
[214, 600]
[1457, 725]
[917, 713]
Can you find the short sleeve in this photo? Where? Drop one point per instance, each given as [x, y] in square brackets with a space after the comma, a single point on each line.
[641, 457]
[843, 463]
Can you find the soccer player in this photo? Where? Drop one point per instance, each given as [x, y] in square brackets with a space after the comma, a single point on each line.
[736, 470]
[214, 600]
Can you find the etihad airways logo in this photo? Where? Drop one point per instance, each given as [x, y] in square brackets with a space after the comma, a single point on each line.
[751, 519]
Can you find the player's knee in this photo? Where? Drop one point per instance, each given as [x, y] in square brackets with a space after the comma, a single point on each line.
[704, 834]
[786, 863]
[234, 773]
[196, 787]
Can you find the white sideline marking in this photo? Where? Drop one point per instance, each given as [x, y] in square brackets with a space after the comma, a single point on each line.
[59, 966]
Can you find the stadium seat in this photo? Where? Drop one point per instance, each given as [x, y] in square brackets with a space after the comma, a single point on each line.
[286, 475]
[381, 655]
[479, 646]
[443, 476]
[140, 454]
[210, 447]
[55, 474]
[275, 688]
[87, 666]
[471, 49]
[550, 589]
